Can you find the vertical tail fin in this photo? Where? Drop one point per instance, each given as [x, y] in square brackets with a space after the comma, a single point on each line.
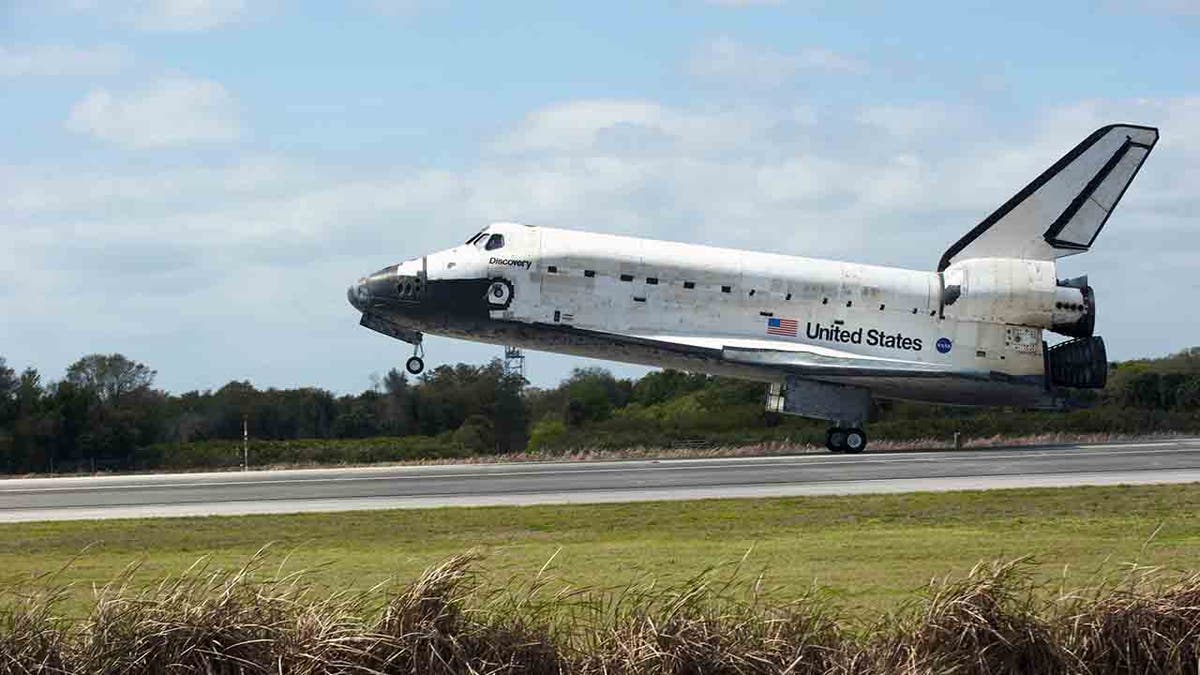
[1063, 210]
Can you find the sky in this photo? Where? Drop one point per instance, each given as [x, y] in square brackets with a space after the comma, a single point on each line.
[194, 183]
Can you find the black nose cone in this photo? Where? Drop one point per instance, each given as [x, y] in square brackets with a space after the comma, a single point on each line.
[359, 295]
[374, 290]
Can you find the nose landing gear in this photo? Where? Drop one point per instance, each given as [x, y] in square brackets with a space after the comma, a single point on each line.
[415, 364]
[382, 324]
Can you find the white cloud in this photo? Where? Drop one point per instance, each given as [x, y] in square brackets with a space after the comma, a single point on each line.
[642, 128]
[187, 15]
[229, 257]
[913, 120]
[727, 59]
[61, 60]
[399, 8]
[173, 16]
[173, 111]
[822, 58]
[744, 3]
[1165, 7]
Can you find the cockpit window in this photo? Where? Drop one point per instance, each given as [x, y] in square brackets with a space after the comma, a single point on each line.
[494, 242]
[474, 237]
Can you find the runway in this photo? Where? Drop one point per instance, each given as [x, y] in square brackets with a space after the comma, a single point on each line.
[293, 491]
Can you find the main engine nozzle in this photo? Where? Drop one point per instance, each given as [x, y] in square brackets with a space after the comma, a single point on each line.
[1074, 308]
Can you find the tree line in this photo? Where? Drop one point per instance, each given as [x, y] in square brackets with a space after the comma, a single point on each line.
[105, 412]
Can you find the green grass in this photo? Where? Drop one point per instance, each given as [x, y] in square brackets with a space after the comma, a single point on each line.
[871, 551]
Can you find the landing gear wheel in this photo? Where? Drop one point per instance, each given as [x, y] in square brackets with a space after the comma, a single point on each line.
[856, 441]
[835, 439]
[414, 365]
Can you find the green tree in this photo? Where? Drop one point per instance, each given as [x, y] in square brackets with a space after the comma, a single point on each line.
[1187, 394]
[8, 394]
[592, 394]
[662, 385]
[546, 434]
[396, 405]
[31, 431]
[477, 434]
[1143, 390]
[109, 376]
[510, 415]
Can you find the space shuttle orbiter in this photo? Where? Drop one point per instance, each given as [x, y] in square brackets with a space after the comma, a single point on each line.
[827, 336]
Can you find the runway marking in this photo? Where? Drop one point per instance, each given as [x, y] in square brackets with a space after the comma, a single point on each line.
[594, 496]
[713, 485]
[476, 472]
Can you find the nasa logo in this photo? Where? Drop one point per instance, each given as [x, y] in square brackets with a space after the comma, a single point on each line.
[944, 345]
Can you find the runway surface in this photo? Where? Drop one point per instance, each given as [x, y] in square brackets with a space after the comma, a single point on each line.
[290, 491]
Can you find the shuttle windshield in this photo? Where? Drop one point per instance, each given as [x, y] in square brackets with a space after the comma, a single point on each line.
[484, 242]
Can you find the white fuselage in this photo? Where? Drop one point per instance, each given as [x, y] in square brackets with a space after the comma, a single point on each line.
[828, 336]
[684, 305]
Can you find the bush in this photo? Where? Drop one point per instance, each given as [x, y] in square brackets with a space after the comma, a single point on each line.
[225, 454]
[546, 434]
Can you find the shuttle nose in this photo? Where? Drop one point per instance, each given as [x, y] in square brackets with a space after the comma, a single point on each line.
[382, 289]
[359, 295]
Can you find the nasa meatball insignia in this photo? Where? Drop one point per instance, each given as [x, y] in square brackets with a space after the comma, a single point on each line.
[871, 337]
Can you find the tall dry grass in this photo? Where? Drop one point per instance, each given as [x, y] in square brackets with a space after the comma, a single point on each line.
[1146, 622]
[996, 619]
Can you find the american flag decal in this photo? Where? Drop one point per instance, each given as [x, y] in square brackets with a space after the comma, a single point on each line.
[784, 327]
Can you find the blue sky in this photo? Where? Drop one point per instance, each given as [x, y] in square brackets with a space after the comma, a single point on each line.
[194, 182]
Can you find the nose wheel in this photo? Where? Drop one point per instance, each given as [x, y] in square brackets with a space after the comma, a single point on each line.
[851, 441]
[415, 364]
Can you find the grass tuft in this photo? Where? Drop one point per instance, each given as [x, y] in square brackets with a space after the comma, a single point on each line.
[996, 619]
[1147, 622]
[986, 623]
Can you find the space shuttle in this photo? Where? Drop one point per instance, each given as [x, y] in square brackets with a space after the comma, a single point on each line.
[828, 338]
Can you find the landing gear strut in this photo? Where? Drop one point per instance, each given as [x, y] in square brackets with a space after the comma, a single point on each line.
[415, 364]
[851, 440]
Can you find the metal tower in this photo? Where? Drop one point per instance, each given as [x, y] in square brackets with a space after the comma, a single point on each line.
[514, 362]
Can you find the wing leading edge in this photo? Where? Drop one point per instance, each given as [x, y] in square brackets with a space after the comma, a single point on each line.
[824, 365]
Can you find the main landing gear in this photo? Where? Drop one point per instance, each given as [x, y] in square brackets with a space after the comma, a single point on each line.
[851, 440]
[846, 407]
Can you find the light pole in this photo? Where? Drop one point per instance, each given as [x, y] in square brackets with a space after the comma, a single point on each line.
[245, 444]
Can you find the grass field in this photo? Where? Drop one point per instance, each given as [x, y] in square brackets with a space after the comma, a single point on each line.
[869, 551]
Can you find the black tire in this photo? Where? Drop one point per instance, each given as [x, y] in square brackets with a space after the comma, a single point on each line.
[856, 441]
[414, 365]
[835, 439]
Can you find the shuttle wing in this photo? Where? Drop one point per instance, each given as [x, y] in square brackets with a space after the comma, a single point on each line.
[825, 365]
[805, 360]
